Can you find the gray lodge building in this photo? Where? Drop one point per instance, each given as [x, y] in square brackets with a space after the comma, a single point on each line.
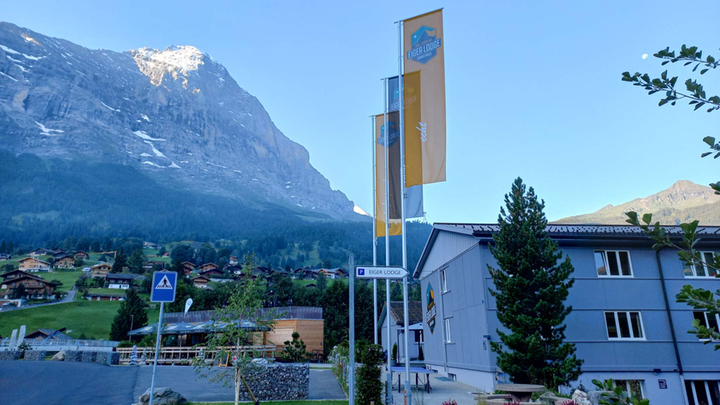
[625, 322]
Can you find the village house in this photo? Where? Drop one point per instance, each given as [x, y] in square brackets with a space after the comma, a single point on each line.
[32, 264]
[233, 260]
[237, 270]
[38, 252]
[35, 287]
[188, 267]
[211, 272]
[64, 262]
[200, 281]
[100, 270]
[208, 266]
[397, 330]
[333, 273]
[119, 281]
[5, 257]
[80, 255]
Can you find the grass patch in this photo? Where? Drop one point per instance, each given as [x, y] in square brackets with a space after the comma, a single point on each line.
[67, 278]
[93, 318]
[106, 291]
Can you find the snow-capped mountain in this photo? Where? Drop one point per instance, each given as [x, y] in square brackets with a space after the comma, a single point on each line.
[176, 114]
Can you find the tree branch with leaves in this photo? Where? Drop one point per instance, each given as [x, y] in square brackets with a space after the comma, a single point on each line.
[686, 245]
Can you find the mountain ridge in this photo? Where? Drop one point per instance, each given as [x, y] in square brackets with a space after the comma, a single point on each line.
[682, 202]
[175, 114]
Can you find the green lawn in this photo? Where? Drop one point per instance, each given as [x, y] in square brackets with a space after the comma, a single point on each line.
[67, 278]
[93, 318]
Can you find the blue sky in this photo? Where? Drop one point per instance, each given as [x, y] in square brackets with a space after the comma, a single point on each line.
[533, 88]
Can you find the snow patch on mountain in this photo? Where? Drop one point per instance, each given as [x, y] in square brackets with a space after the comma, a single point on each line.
[47, 131]
[360, 211]
[109, 108]
[174, 60]
[146, 137]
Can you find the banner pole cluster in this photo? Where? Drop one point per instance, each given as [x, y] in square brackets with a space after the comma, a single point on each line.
[374, 246]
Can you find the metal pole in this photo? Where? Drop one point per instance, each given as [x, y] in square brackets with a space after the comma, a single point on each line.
[351, 373]
[387, 246]
[157, 351]
[406, 317]
[375, 297]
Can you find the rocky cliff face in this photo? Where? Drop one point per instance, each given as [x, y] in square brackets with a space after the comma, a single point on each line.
[176, 114]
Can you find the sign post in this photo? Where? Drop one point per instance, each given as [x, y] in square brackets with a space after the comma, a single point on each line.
[351, 372]
[375, 272]
[164, 288]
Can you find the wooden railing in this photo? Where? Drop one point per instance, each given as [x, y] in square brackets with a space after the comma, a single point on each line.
[184, 355]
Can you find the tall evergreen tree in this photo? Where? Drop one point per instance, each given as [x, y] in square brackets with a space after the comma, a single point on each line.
[531, 288]
[137, 258]
[120, 262]
[130, 314]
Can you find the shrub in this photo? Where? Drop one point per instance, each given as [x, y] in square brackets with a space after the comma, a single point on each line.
[369, 384]
[394, 352]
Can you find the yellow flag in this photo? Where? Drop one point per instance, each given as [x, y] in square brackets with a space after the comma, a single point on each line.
[424, 91]
[395, 225]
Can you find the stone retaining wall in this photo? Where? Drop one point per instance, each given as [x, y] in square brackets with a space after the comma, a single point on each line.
[10, 355]
[35, 355]
[277, 382]
[86, 356]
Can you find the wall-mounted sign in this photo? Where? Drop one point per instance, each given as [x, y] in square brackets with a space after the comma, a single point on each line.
[662, 384]
[431, 309]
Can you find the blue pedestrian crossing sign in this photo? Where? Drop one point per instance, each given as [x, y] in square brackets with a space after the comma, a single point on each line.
[164, 286]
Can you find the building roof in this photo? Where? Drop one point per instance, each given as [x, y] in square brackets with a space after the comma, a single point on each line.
[18, 273]
[397, 312]
[200, 277]
[120, 276]
[559, 232]
[44, 333]
[32, 258]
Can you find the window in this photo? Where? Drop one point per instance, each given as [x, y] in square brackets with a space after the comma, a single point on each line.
[708, 321]
[702, 392]
[624, 325]
[447, 331]
[613, 263]
[443, 280]
[632, 387]
[701, 269]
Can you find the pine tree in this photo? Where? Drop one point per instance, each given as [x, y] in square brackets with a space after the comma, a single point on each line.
[531, 288]
[131, 313]
[295, 351]
[137, 258]
[120, 262]
[3, 247]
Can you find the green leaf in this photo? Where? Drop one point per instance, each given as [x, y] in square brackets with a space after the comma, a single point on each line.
[647, 218]
[709, 140]
[706, 154]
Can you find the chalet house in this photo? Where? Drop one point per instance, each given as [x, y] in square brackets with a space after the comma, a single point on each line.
[309, 274]
[153, 263]
[32, 264]
[38, 252]
[53, 334]
[166, 254]
[233, 260]
[80, 255]
[333, 273]
[100, 270]
[4, 257]
[151, 245]
[119, 281]
[211, 272]
[237, 270]
[64, 262]
[208, 266]
[189, 267]
[59, 254]
[200, 281]
[35, 287]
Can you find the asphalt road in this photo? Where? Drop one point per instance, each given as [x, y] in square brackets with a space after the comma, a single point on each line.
[55, 382]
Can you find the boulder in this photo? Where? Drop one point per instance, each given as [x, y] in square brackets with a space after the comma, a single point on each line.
[59, 356]
[163, 396]
[580, 398]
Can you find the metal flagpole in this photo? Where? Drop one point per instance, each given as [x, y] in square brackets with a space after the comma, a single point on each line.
[351, 372]
[375, 297]
[406, 316]
[387, 245]
[157, 350]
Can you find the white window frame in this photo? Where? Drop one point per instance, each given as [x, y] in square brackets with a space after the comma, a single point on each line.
[443, 280]
[448, 336]
[627, 387]
[617, 326]
[617, 257]
[707, 390]
[705, 267]
[707, 324]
